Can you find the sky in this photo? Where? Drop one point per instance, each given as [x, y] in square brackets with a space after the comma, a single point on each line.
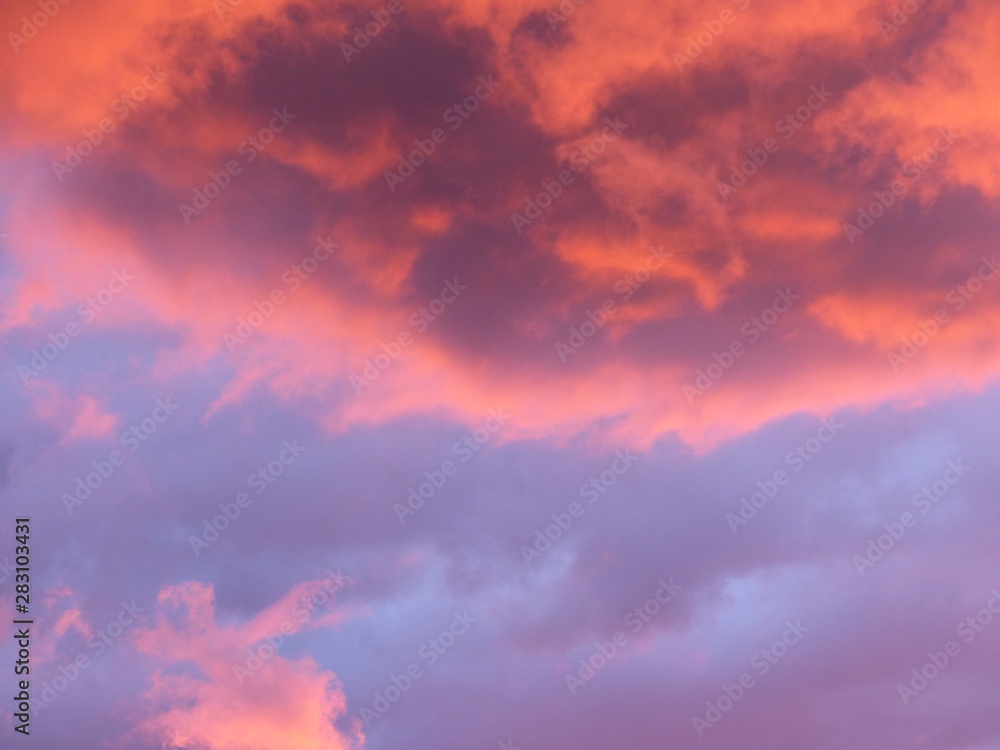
[500, 374]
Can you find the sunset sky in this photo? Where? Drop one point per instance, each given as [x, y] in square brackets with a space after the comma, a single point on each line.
[502, 374]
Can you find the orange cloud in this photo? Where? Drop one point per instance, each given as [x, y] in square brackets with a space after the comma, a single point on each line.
[656, 185]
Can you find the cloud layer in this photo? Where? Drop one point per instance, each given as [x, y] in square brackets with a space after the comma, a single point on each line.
[567, 305]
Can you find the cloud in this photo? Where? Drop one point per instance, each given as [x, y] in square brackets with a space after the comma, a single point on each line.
[78, 417]
[197, 698]
[654, 186]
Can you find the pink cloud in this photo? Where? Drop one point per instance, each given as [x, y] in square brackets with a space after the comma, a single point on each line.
[277, 701]
[77, 417]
